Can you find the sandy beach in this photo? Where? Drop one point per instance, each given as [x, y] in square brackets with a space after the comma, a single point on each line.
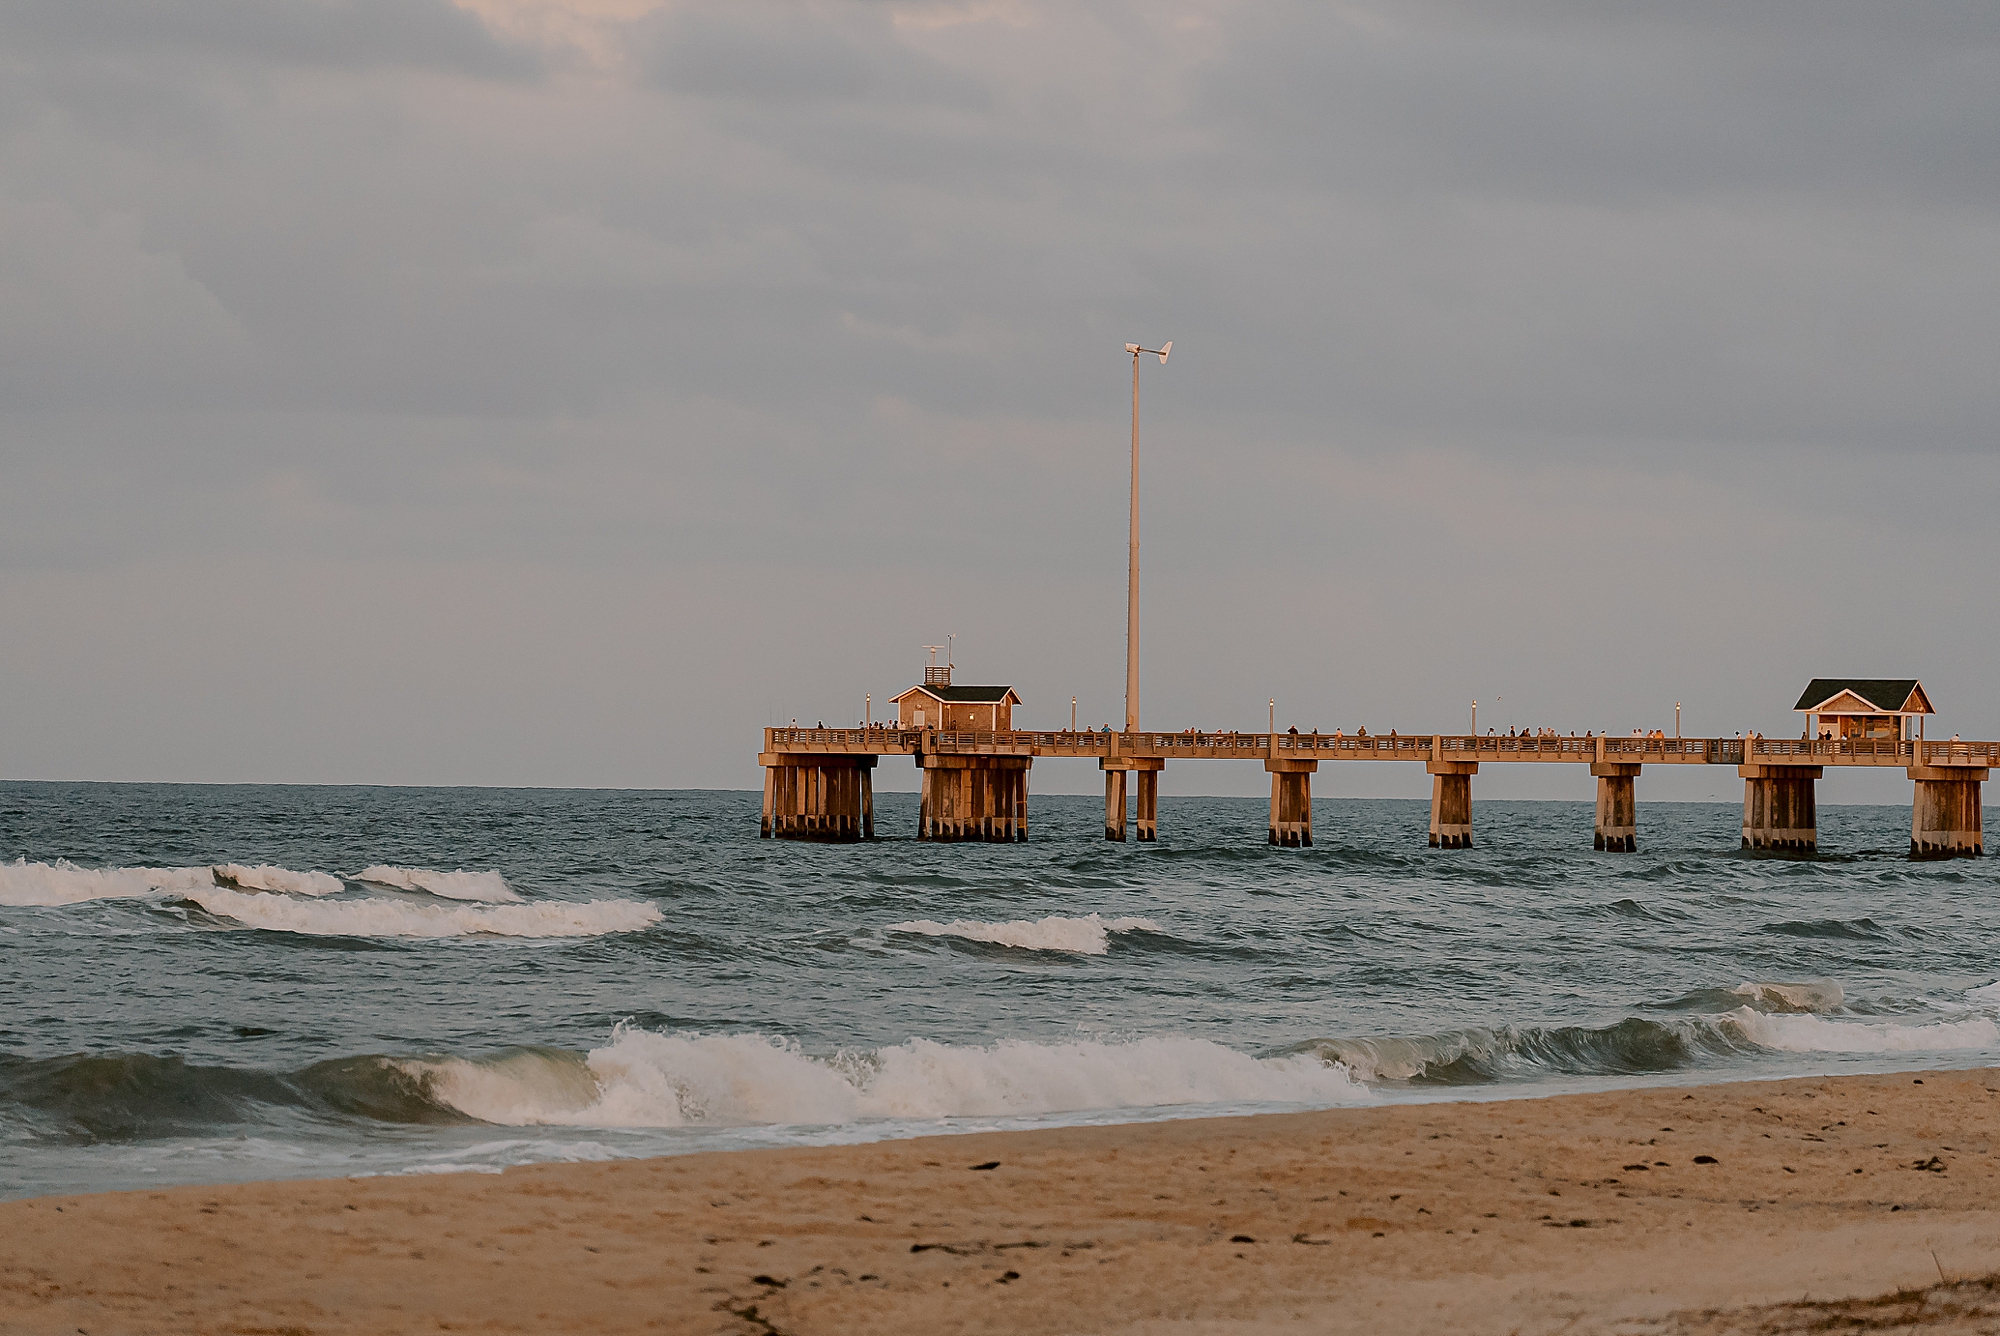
[1767, 1206]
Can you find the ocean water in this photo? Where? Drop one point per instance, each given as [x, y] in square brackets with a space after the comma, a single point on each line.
[207, 983]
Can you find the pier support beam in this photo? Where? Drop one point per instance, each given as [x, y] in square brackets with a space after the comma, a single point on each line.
[973, 797]
[1780, 810]
[1944, 813]
[1617, 811]
[1144, 785]
[1451, 803]
[1291, 802]
[808, 797]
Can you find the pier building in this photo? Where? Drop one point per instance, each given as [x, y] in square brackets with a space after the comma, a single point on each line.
[1864, 707]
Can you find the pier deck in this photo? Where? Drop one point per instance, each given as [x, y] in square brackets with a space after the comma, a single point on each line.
[1387, 747]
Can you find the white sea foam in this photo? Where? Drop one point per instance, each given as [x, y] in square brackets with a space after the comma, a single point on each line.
[64, 883]
[1089, 935]
[1817, 1034]
[395, 918]
[488, 887]
[264, 877]
[1817, 995]
[1990, 993]
[646, 1079]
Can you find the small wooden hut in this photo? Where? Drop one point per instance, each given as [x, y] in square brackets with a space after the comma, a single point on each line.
[938, 704]
[1864, 707]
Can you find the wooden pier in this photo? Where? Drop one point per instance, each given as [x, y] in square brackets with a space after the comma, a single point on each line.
[817, 781]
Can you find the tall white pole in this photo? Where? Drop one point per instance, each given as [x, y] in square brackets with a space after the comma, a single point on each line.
[1132, 574]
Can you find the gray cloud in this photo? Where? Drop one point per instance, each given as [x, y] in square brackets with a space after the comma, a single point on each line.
[1530, 342]
[312, 33]
[778, 56]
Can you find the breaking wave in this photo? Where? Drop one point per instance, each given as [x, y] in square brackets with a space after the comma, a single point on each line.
[268, 878]
[1780, 1017]
[24, 884]
[62, 882]
[396, 918]
[1089, 935]
[1817, 1034]
[647, 1079]
[488, 887]
[1815, 996]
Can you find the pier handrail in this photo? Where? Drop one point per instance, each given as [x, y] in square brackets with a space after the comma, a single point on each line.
[1385, 746]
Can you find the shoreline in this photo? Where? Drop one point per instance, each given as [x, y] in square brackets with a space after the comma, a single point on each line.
[862, 1134]
[1573, 1211]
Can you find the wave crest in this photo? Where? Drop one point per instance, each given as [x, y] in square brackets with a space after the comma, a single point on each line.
[47, 885]
[648, 1079]
[1817, 1034]
[265, 877]
[1089, 935]
[488, 887]
[1638, 1046]
[394, 918]
[1816, 995]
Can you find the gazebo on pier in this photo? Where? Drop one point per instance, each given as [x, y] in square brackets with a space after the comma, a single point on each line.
[1839, 708]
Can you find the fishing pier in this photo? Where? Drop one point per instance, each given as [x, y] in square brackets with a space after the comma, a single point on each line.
[818, 781]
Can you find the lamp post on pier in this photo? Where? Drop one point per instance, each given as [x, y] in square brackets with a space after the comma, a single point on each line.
[1132, 551]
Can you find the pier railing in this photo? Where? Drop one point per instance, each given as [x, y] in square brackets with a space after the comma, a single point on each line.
[1384, 747]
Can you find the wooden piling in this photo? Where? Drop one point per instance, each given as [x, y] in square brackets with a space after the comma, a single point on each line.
[1944, 812]
[1148, 817]
[1143, 785]
[817, 797]
[1617, 807]
[1291, 802]
[1780, 809]
[972, 797]
[1451, 803]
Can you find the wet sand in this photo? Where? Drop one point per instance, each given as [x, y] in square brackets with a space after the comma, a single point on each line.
[1587, 1213]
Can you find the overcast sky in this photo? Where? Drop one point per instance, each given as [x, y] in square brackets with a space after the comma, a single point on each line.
[557, 391]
